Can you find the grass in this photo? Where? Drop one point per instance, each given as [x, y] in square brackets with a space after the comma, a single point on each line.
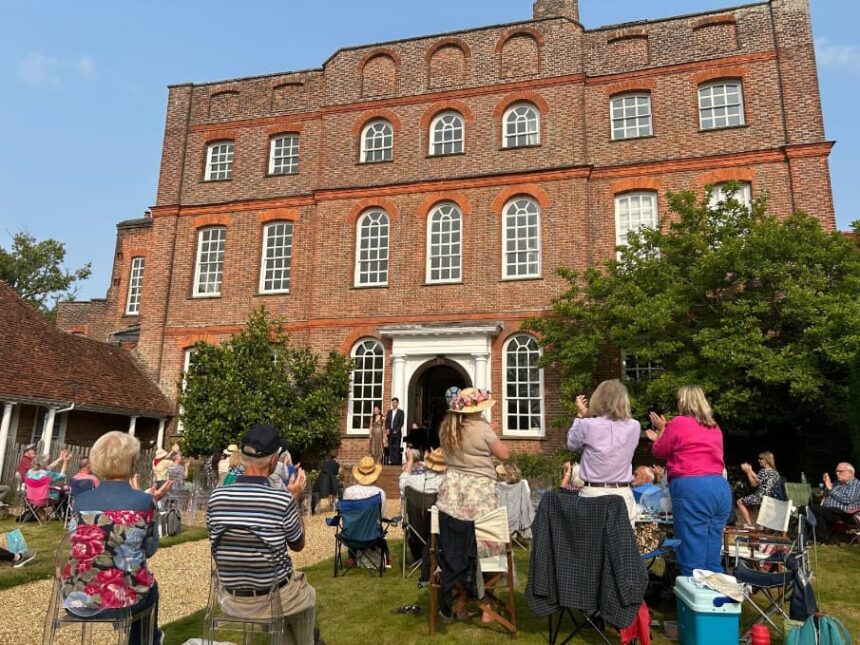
[361, 608]
[45, 538]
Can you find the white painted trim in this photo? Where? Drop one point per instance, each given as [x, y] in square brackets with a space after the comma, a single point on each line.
[5, 424]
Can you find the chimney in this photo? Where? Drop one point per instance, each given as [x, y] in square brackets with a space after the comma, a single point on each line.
[556, 9]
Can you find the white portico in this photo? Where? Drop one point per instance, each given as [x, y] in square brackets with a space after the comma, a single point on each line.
[468, 346]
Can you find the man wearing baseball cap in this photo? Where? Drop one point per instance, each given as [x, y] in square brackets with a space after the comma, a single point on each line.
[273, 516]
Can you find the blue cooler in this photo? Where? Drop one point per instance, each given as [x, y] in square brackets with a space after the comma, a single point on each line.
[700, 621]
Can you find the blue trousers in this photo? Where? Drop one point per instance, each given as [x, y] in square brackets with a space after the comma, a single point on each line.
[701, 505]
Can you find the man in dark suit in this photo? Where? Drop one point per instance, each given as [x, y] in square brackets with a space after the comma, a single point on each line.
[394, 428]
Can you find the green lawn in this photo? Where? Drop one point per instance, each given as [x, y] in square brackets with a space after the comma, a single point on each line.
[45, 538]
[361, 608]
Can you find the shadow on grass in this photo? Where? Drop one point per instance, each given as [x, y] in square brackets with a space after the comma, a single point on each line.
[45, 538]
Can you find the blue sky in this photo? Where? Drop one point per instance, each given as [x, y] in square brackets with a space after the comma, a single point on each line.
[84, 89]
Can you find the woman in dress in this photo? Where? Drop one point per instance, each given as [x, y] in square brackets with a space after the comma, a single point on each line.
[764, 482]
[607, 437]
[377, 430]
[692, 445]
[468, 489]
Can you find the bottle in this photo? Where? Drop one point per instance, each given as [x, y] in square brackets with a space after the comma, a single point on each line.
[802, 477]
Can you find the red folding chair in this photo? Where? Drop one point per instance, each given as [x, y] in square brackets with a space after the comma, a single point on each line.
[37, 497]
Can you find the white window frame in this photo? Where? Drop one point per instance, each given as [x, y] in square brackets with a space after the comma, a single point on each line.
[284, 154]
[628, 123]
[441, 213]
[524, 125]
[377, 142]
[743, 194]
[627, 200]
[377, 373]
[444, 123]
[61, 422]
[204, 250]
[374, 228]
[632, 368]
[714, 105]
[272, 255]
[527, 236]
[135, 286]
[507, 430]
[187, 353]
[219, 161]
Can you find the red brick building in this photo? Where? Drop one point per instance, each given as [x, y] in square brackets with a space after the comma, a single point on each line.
[408, 202]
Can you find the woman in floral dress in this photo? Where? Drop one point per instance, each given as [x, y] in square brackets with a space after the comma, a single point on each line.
[377, 427]
[764, 482]
[112, 534]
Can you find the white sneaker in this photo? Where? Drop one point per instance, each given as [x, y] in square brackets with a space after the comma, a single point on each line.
[26, 558]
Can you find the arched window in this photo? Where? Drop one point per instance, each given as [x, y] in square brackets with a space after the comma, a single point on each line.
[631, 116]
[634, 211]
[721, 105]
[446, 134]
[377, 142]
[371, 255]
[523, 387]
[366, 391]
[445, 244]
[522, 126]
[521, 253]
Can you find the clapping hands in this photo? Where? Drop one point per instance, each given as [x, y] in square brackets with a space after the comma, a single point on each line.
[581, 406]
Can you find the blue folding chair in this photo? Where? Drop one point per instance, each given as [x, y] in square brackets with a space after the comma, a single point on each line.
[361, 529]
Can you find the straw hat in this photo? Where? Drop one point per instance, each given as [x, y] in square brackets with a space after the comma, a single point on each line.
[472, 400]
[435, 461]
[366, 471]
[230, 450]
[161, 453]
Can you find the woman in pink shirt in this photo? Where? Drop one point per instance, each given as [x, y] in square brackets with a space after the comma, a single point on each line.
[692, 445]
[607, 437]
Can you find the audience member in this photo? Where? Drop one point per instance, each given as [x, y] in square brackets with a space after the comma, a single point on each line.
[468, 489]
[177, 471]
[376, 443]
[210, 471]
[160, 463]
[284, 469]
[841, 500]
[224, 464]
[112, 535]
[327, 484]
[692, 445]
[273, 516]
[643, 475]
[571, 478]
[365, 473]
[764, 482]
[26, 460]
[39, 470]
[235, 467]
[85, 473]
[330, 466]
[429, 478]
[18, 560]
[508, 473]
[607, 437]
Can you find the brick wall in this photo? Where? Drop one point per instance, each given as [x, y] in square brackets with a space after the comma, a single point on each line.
[568, 72]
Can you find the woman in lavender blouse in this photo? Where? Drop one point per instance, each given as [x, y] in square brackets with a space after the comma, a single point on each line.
[607, 437]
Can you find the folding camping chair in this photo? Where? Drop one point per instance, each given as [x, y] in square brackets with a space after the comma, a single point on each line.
[360, 527]
[771, 532]
[415, 509]
[521, 512]
[37, 499]
[495, 572]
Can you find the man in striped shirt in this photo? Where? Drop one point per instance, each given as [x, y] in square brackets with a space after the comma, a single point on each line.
[252, 526]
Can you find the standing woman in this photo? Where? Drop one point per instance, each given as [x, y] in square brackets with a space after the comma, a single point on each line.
[692, 445]
[377, 427]
[607, 437]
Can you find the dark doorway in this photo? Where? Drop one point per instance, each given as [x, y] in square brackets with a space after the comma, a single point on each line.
[427, 402]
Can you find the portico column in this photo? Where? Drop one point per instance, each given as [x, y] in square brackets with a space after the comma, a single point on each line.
[4, 431]
[160, 439]
[132, 425]
[48, 432]
[480, 370]
[398, 367]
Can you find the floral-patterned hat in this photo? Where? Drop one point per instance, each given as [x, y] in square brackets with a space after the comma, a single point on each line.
[472, 400]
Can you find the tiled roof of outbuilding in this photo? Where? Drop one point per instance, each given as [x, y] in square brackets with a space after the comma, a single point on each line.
[43, 365]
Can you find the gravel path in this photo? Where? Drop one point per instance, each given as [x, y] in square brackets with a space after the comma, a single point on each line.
[182, 572]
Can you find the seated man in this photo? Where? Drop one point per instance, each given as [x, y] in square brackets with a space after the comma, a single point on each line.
[643, 475]
[273, 515]
[840, 500]
[85, 473]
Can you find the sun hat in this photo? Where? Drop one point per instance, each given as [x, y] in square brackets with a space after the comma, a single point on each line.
[261, 441]
[435, 461]
[366, 471]
[32, 446]
[472, 400]
[230, 450]
[161, 453]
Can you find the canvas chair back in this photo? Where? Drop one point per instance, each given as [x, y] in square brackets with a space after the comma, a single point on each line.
[774, 514]
[361, 521]
[493, 527]
[37, 491]
[798, 492]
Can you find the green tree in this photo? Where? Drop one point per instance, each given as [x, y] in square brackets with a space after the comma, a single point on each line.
[763, 313]
[35, 270]
[257, 376]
